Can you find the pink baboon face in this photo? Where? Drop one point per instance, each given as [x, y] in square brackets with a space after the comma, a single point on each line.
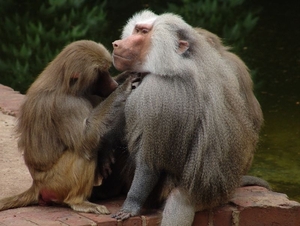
[131, 51]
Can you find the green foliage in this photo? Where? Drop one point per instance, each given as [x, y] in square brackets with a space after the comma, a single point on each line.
[32, 34]
[227, 18]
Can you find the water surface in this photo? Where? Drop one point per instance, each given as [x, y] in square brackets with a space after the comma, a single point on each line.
[275, 51]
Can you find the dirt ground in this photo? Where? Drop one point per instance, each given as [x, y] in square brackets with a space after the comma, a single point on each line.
[14, 176]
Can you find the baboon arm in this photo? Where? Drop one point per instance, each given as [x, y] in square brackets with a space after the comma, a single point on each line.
[120, 78]
[64, 114]
[98, 124]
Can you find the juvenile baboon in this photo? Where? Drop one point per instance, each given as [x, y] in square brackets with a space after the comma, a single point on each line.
[61, 126]
[194, 117]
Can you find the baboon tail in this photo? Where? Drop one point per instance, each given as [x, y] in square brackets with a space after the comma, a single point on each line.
[179, 209]
[254, 181]
[29, 197]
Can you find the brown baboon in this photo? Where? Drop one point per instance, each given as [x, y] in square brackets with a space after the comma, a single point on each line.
[61, 127]
[194, 118]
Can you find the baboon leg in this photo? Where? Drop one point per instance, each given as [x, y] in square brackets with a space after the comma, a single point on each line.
[89, 207]
[179, 209]
[74, 189]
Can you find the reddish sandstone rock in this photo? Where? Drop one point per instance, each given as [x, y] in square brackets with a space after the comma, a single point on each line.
[10, 100]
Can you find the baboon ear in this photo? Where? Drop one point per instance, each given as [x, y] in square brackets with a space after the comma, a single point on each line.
[183, 46]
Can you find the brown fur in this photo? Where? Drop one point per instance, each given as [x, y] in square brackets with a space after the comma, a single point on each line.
[62, 125]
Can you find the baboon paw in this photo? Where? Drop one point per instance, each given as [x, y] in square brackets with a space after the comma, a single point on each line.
[102, 209]
[121, 215]
[135, 82]
[88, 207]
[126, 87]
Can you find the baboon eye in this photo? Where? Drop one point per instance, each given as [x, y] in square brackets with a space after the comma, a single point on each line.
[137, 30]
[141, 30]
[145, 31]
[73, 81]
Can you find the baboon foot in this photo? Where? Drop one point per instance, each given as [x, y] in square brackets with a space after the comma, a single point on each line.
[122, 215]
[89, 207]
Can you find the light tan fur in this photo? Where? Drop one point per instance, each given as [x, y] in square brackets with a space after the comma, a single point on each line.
[61, 126]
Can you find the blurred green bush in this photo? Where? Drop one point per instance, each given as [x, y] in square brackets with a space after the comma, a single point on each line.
[33, 32]
[227, 18]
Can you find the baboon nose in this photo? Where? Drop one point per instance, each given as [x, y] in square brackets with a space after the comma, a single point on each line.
[115, 44]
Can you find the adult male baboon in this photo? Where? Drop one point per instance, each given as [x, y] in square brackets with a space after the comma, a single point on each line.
[193, 118]
[61, 126]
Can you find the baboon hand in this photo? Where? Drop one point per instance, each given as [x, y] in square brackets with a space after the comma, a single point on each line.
[122, 215]
[136, 80]
[130, 83]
